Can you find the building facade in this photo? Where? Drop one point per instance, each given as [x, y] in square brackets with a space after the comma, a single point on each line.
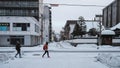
[111, 14]
[68, 28]
[24, 9]
[47, 24]
[19, 8]
[23, 29]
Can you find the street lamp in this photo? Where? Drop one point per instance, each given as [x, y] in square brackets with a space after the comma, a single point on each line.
[100, 23]
[54, 5]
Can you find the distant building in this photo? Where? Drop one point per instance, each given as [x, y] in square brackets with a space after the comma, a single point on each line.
[107, 37]
[62, 35]
[73, 26]
[47, 24]
[23, 29]
[111, 14]
[68, 28]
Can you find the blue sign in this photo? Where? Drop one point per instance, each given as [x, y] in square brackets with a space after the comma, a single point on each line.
[3, 28]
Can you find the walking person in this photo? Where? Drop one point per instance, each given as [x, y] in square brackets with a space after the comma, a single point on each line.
[18, 49]
[45, 48]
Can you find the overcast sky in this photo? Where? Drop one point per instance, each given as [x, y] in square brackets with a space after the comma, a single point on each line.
[63, 13]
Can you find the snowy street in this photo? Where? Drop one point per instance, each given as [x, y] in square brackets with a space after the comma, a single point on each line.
[57, 60]
[62, 55]
[59, 33]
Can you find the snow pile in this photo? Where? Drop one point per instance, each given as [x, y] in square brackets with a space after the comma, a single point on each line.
[5, 58]
[112, 60]
[60, 44]
[55, 45]
[65, 44]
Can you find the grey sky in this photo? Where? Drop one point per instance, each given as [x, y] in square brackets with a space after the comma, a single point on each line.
[62, 13]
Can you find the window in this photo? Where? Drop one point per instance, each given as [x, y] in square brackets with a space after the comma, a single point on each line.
[21, 26]
[36, 28]
[4, 26]
[13, 39]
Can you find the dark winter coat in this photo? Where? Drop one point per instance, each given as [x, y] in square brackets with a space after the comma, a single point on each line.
[18, 46]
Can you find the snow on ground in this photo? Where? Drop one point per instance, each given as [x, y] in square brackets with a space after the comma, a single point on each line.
[62, 59]
[4, 58]
[65, 46]
[57, 60]
[112, 60]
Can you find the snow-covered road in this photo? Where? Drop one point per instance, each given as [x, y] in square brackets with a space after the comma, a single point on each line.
[57, 60]
[63, 55]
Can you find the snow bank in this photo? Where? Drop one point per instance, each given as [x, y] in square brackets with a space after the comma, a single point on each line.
[65, 43]
[5, 58]
[60, 44]
[82, 41]
[112, 60]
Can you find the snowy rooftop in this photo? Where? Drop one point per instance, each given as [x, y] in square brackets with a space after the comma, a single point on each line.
[115, 27]
[108, 32]
[96, 25]
[89, 25]
[72, 26]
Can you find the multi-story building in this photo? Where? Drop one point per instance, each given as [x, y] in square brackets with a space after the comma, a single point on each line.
[47, 24]
[30, 11]
[23, 29]
[19, 8]
[111, 14]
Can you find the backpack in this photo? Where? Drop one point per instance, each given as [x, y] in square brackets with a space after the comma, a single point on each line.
[45, 47]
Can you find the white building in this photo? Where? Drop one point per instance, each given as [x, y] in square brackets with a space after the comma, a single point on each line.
[23, 29]
[47, 25]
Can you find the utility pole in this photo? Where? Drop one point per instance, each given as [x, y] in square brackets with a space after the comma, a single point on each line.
[41, 29]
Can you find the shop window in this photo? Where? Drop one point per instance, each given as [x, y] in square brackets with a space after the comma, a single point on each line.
[4, 26]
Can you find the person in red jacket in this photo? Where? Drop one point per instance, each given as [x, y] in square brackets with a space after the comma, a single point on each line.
[45, 48]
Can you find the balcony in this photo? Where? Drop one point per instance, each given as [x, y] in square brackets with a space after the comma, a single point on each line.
[18, 14]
